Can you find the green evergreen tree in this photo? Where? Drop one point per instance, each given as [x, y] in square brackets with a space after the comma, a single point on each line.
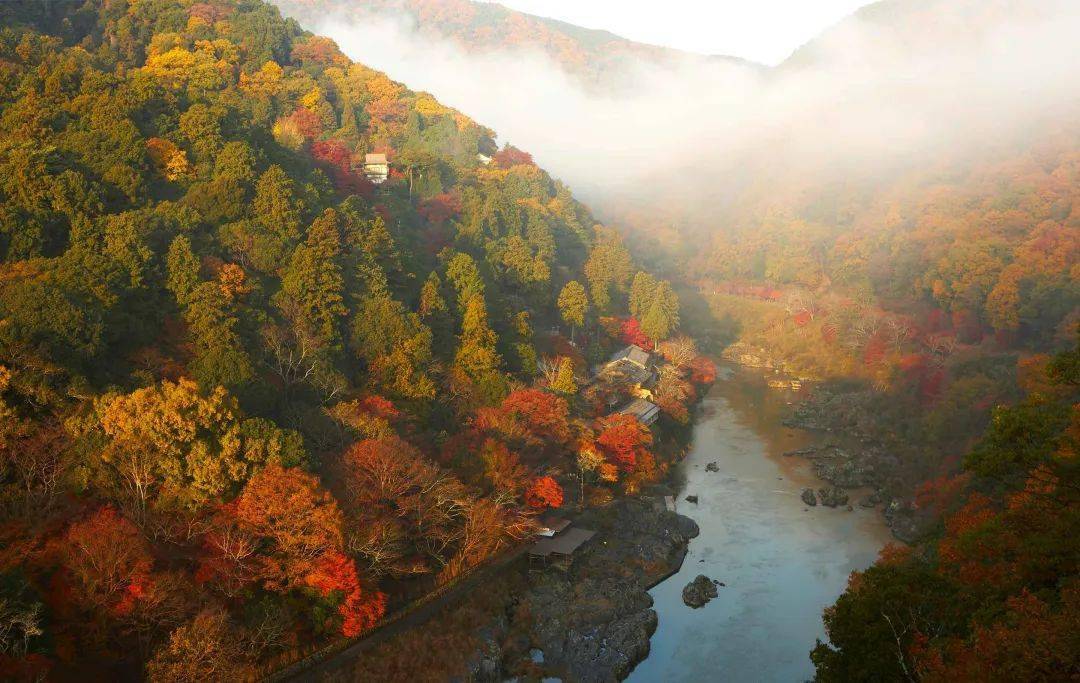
[573, 304]
[220, 356]
[463, 274]
[477, 358]
[201, 125]
[395, 345]
[641, 293]
[431, 299]
[312, 288]
[349, 129]
[608, 267]
[276, 206]
[662, 316]
[236, 161]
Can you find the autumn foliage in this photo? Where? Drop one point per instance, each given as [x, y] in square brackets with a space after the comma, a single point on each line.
[510, 156]
[630, 333]
[544, 492]
[107, 560]
[544, 416]
[992, 595]
[702, 370]
[334, 573]
[232, 427]
[623, 440]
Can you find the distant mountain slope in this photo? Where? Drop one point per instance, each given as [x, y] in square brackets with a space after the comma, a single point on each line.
[598, 57]
[911, 27]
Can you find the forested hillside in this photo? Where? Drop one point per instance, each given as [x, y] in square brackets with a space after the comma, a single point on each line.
[249, 400]
[994, 594]
[926, 272]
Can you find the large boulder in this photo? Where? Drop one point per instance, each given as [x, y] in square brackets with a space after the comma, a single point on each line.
[699, 591]
[687, 527]
[832, 496]
[808, 497]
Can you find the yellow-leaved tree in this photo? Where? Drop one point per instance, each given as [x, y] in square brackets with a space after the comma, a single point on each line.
[172, 447]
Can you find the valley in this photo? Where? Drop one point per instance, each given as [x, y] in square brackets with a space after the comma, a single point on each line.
[429, 340]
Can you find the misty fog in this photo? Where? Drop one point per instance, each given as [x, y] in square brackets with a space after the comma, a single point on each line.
[865, 96]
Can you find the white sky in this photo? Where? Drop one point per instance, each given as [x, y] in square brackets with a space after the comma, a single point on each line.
[764, 31]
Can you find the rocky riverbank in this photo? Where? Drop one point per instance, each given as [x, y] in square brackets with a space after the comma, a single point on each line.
[590, 622]
[862, 463]
[862, 467]
[750, 356]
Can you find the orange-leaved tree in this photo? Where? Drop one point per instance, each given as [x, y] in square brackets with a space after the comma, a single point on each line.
[623, 440]
[544, 492]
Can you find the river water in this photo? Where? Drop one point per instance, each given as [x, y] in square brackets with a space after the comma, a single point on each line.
[782, 562]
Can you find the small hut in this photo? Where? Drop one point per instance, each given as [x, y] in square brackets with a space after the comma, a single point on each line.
[632, 366]
[559, 549]
[633, 354]
[376, 168]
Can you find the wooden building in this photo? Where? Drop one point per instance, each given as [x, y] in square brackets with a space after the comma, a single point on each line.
[376, 168]
[646, 412]
[559, 549]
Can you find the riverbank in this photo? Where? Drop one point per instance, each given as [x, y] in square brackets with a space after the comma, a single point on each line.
[615, 613]
[591, 622]
[851, 457]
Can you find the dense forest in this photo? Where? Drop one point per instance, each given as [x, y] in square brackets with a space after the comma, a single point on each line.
[251, 400]
[993, 594]
[254, 398]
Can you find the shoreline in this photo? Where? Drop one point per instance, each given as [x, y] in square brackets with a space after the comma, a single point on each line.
[850, 461]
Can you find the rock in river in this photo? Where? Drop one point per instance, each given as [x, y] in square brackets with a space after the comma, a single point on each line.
[833, 496]
[691, 499]
[712, 467]
[808, 497]
[699, 591]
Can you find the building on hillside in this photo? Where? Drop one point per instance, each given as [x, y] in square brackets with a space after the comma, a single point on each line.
[559, 549]
[376, 168]
[630, 373]
[633, 354]
[632, 367]
[646, 412]
[483, 158]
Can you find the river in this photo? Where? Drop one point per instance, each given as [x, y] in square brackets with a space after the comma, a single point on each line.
[782, 562]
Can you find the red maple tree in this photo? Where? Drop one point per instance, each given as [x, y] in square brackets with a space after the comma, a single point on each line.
[512, 156]
[544, 492]
[623, 439]
[630, 333]
[359, 609]
[545, 416]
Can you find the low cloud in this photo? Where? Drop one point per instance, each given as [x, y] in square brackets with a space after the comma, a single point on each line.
[941, 79]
